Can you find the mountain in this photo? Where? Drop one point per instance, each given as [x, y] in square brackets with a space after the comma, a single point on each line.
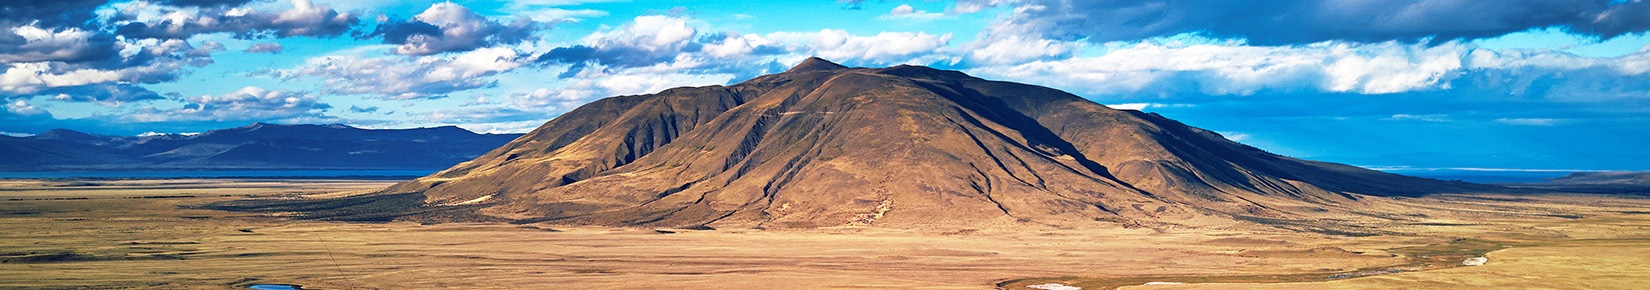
[1622, 182]
[1618, 178]
[259, 146]
[825, 145]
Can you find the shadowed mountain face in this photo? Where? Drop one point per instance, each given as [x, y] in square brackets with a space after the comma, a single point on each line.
[907, 146]
[255, 147]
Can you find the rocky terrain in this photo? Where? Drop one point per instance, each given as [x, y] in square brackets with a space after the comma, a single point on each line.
[825, 145]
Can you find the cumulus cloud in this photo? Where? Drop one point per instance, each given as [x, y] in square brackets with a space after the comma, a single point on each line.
[883, 48]
[905, 11]
[479, 115]
[479, 100]
[661, 44]
[21, 107]
[51, 14]
[546, 99]
[1017, 49]
[266, 47]
[667, 44]
[1306, 21]
[204, 3]
[304, 19]
[31, 43]
[1143, 106]
[69, 51]
[547, 12]
[109, 81]
[521, 111]
[448, 27]
[1129, 106]
[106, 94]
[1236, 69]
[249, 103]
[645, 41]
[402, 78]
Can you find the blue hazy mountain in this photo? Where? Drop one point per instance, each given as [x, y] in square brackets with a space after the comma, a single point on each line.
[259, 146]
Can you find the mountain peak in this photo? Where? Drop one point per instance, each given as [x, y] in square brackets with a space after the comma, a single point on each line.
[815, 64]
[904, 146]
[63, 134]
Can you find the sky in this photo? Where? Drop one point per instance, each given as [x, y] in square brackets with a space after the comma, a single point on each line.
[1481, 84]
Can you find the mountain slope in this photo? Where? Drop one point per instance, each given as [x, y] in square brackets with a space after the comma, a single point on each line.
[258, 146]
[906, 146]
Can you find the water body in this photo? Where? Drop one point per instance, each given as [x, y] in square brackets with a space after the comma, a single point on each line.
[384, 174]
[1482, 176]
[276, 287]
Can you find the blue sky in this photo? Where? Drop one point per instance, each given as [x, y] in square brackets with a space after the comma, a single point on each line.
[1519, 84]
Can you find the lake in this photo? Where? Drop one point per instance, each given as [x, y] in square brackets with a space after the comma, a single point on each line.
[374, 174]
[1482, 176]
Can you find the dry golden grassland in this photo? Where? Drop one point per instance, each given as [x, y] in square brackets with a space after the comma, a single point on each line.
[132, 234]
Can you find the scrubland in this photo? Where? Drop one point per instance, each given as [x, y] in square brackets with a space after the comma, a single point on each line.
[95, 234]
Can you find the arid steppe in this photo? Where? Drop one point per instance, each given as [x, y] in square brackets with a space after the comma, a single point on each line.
[97, 234]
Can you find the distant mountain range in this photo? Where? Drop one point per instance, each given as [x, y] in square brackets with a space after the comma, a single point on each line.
[1637, 183]
[259, 146]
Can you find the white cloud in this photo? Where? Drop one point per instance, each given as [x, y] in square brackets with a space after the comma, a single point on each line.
[1390, 67]
[42, 45]
[1130, 106]
[1424, 118]
[1528, 121]
[111, 81]
[651, 33]
[883, 48]
[547, 100]
[592, 85]
[1016, 49]
[248, 103]
[551, 15]
[479, 100]
[660, 44]
[905, 11]
[1236, 69]
[23, 108]
[401, 78]
[1143, 106]
[1235, 136]
[972, 6]
[459, 29]
[734, 45]
[266, 47]
[304, 18]
[514, 127]
[522, 111]
[1637, 63]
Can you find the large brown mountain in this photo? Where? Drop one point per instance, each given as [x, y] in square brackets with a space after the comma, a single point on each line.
[906, 146]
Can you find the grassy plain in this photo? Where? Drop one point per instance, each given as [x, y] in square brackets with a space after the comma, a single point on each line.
[97, 234]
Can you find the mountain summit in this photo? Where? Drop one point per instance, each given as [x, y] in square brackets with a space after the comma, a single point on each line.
[815, 64]
[907, 146]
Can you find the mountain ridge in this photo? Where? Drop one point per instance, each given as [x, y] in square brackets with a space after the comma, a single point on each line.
[259, 146]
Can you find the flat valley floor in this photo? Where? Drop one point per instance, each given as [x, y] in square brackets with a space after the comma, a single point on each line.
[119, 234]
